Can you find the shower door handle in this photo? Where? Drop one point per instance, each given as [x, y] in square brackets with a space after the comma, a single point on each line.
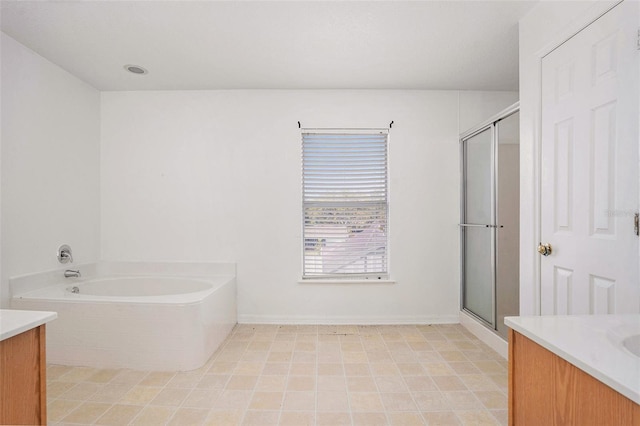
[474, 225]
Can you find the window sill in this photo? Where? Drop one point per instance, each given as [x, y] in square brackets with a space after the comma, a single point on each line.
[345, 281]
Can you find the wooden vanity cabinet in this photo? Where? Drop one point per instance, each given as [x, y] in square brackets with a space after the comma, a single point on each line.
[544, 389]
[23, 383]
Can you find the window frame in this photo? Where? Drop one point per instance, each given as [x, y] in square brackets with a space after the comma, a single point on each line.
[379, 276]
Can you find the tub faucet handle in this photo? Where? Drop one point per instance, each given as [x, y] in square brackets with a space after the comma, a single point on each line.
[64, 254]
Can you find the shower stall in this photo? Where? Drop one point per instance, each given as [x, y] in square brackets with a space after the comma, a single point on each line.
[489, 219]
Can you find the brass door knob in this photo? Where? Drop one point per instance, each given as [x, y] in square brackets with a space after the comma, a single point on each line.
[544, 249]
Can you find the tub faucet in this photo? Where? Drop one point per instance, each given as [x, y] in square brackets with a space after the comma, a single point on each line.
[71, 273]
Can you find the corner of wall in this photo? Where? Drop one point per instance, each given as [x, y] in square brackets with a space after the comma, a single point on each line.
[50, 123]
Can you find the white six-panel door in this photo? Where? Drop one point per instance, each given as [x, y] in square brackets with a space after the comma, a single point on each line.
[589, 169]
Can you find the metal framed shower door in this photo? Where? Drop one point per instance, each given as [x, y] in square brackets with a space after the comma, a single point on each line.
[491, 225]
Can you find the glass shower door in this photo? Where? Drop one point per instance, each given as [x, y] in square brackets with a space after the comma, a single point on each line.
[508, 217]
[478, 226]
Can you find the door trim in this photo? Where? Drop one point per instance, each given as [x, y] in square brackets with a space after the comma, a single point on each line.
[530, 227]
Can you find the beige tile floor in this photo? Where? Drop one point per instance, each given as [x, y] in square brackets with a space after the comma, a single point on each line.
[301, 375]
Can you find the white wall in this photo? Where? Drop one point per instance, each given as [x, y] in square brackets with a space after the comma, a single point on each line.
[545, 27]
[477, 107]
[4, 292]
[50, 164]
[215, 176]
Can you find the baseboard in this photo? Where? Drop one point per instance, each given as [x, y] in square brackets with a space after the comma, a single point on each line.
[347, 320]
[485, 335]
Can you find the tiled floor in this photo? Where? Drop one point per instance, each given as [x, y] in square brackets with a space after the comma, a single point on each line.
[301, 375]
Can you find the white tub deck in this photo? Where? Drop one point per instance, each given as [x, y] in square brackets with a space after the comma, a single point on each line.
[170, 332]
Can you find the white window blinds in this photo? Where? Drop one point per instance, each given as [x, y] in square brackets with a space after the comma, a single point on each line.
[345, 204]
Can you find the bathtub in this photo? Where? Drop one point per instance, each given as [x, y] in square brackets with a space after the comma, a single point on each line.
[165, 317]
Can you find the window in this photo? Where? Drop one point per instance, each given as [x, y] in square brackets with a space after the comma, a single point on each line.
[345, 203]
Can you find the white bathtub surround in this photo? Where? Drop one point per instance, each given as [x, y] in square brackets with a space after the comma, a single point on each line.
[27, 283]
[166, 316]
[592, 343]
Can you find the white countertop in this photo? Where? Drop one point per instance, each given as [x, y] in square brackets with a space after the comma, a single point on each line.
[13, 321]
[592, 343]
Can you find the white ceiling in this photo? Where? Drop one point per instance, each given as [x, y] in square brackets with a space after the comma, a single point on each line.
[469, 45]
